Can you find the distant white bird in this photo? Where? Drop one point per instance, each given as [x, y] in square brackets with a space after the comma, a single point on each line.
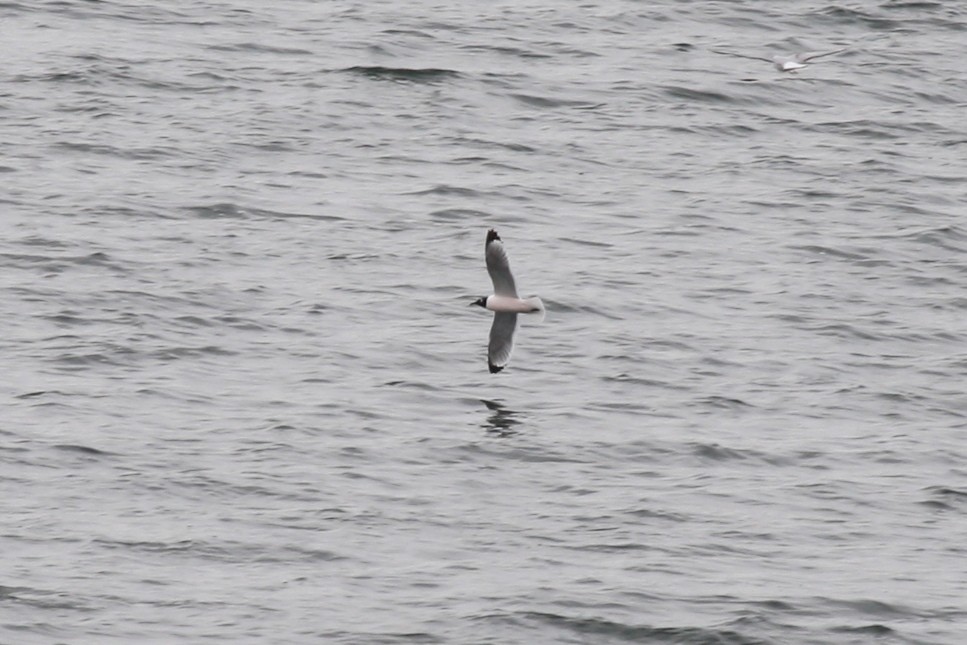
[789, 62]
[504, 303]
[798, 61]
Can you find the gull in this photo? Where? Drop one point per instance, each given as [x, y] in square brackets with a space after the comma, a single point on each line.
[504, 303]
[789, 62]
[798, 61]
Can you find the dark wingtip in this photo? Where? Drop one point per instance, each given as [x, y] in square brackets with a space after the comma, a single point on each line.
[492, 235]
[494, 368]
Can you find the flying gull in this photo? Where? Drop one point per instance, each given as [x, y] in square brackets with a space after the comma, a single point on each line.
[504, 303]
[787, 63]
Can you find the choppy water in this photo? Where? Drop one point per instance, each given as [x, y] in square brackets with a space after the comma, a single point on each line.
[244, 398]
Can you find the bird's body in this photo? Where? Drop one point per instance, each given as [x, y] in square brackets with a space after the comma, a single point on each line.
[504, 302]
[786, 64]
[798, 61]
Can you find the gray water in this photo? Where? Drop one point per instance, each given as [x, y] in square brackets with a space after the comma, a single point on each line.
[245, 399]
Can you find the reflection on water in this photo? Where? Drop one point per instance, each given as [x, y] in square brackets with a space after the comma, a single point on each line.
[502, 421]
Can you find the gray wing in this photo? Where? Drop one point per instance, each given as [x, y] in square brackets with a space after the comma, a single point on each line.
[738, 55]
[807, 56]
[499, 266]
[501, 341]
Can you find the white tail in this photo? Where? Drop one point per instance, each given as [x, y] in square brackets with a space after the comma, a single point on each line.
[539, 306]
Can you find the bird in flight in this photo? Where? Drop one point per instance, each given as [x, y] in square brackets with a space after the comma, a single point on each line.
[504, 302]
[786, 63]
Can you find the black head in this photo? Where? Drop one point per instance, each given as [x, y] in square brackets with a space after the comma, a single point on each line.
[480, 302]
